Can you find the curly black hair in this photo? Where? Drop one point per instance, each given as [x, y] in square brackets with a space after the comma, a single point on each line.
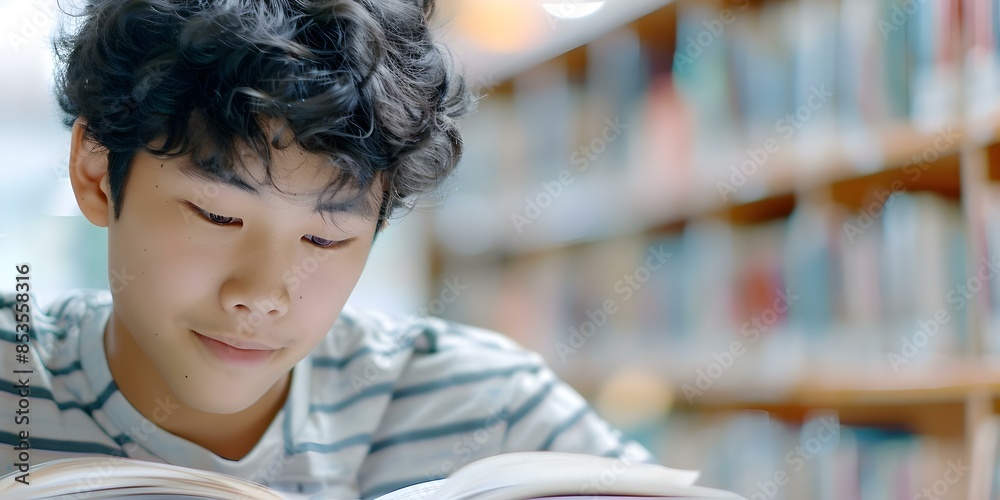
[360, 81]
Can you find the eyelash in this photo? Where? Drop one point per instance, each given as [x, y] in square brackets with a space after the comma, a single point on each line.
[208, 216]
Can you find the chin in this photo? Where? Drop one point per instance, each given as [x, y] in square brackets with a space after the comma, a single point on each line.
[223, 401]
[207, 389]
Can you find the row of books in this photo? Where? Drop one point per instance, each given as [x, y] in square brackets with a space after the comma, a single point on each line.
[981, 19]
[985, 221]
[885, 286]
[806, 73]
[750, 90]
[760, 457]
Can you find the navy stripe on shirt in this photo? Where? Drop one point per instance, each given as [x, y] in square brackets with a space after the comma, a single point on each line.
[355, 440]
[558, 430]
[428, 433]
[370, 392]
[62, 445]
[43, 393]
[9, 336]
[530, 404]
[461, 378]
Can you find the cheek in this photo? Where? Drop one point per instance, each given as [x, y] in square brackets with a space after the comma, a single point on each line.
[152, 255]
[318, 296]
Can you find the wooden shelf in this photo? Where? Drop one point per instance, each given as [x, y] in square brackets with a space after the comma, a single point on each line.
[929, 401]
[943, 382]
[945, 419]
[896, 153]
[904, 159]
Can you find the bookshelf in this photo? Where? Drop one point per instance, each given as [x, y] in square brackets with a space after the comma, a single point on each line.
[842, 152]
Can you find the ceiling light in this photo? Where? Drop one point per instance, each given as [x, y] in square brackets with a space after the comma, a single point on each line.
[572, 9]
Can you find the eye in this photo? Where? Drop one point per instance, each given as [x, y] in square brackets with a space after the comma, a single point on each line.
[223, 221]
[214, 218]
[218, 219]
[325, 243]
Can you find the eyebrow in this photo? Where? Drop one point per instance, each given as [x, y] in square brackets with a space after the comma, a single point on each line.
[191, 170]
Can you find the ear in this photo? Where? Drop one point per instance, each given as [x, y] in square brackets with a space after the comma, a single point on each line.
[88, 173]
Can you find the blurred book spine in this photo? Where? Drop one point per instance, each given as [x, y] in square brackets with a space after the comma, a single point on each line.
[821, 459]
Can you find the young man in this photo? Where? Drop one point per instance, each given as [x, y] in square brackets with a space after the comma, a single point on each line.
[243, 156]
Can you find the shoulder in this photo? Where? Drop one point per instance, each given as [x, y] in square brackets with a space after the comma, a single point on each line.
[52, 332]
[419, 360]
[43, 376]
[71, 307]
[423, 345]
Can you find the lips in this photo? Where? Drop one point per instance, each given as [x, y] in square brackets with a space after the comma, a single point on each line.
[245, 356]
[246, 345]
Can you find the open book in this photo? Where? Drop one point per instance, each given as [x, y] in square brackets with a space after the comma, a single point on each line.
[510, 476]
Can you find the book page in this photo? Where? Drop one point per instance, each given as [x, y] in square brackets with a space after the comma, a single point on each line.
[520, 475]
[419, 491]
[111, 477]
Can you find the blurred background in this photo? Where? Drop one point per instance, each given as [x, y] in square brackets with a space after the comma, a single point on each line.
[760, 236]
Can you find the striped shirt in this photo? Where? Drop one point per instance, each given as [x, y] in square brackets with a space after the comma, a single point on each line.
[379, 404]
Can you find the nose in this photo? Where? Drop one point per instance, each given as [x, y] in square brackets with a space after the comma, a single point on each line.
[256, 288]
